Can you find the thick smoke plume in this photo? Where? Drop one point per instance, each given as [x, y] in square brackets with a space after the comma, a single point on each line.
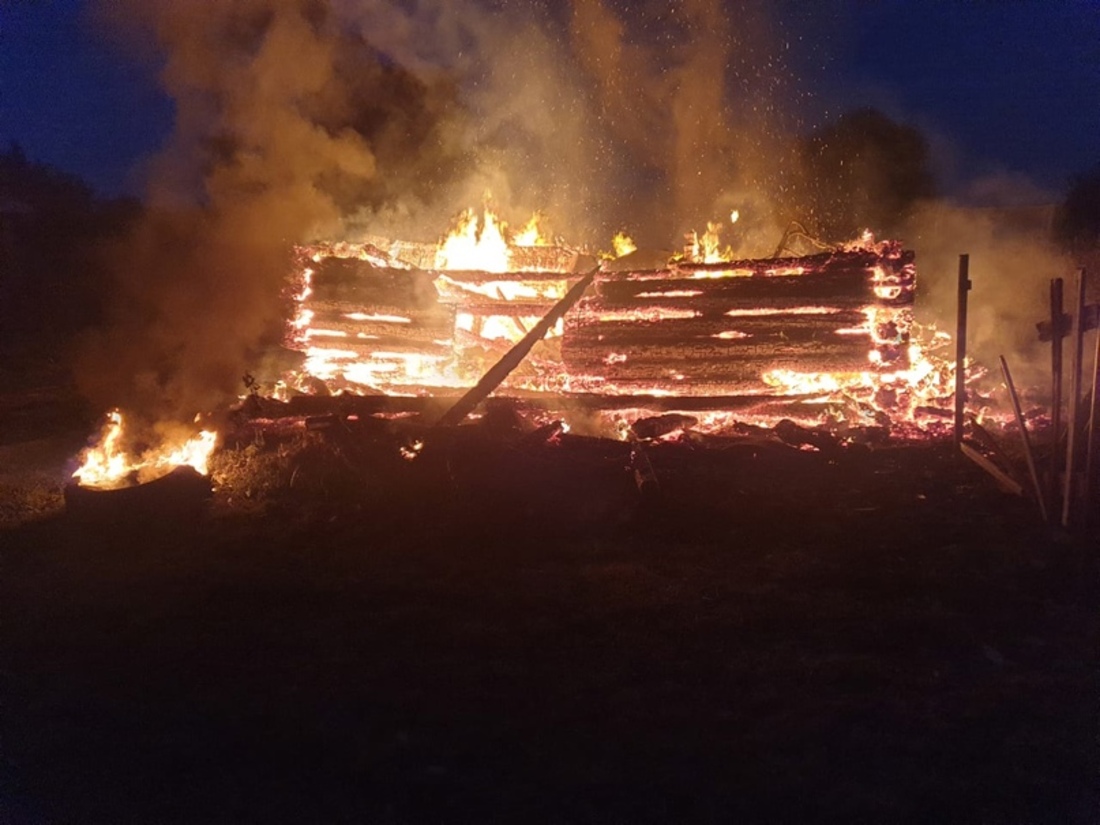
[691, 94]
[285, 121]
[304, 119]
[299, 120]
[1012, 261]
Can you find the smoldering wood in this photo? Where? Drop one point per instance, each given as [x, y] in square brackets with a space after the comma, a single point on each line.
[380, 403]
[990, 443]
[894, 266]
[740, 325]
[550, 258]
[845, 289]
[354, 280]
[481, 276]
[659, 425]
[500, 370]
[482, 306]
[425, 255]
[406, 344]
[697, 371]
[182, 493]
[1003, 479]
[586, 325]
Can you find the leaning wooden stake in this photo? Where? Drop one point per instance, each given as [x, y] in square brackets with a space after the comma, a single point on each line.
[1024, 436]
[986, 439]
[1056, 321]
[1090, 444]
[960, 349]
[514, 357]
[1074, 397]
[1003, 479]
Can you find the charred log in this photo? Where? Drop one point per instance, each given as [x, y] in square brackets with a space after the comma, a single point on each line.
[181, 494]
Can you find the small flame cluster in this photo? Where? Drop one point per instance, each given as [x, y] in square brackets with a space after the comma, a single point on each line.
[707, 248]
[109, 464]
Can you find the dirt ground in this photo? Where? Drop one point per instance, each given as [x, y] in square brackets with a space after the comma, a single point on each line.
[504, 632]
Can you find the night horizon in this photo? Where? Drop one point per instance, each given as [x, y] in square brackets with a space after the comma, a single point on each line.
[1001, 91]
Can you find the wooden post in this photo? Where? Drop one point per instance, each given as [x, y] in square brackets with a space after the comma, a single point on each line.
[960, 348]
[1028, 454]
[1056, 312]
[1074, 397]
[1090, 446]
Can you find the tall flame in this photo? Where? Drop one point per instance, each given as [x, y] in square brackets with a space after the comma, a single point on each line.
[531, 233]
[706, 248]
[106, 464]
[467, 247]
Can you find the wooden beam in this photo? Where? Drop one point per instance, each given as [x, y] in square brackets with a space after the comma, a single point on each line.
[1056, 319]
[514, 357]
[1003, 479]
[1028, 454]
[960, 348]
[1074, 398]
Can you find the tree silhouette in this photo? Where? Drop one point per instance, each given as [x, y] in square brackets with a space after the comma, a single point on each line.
[1077, 221]
[52, 280]
[862, 171]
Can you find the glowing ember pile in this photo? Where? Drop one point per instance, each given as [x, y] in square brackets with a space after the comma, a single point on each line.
[109, 464]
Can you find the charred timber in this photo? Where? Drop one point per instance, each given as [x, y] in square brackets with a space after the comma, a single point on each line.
[842, 289]
[725, 332]
[380, 320]
[383, 344]
[899, 266]
[182, 494]
[354, 280]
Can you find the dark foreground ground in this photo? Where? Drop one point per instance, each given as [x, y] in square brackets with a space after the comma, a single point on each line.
[519, 635]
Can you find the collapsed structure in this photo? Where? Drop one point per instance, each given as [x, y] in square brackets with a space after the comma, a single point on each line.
[384, 317]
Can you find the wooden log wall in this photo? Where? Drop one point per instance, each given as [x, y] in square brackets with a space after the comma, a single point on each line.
[691, 330]
[373, 308]
[714, 329]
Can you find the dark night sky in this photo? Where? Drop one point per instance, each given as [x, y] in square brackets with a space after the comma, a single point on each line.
[1000, 86]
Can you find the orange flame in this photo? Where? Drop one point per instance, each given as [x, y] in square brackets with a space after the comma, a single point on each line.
[109, 465]
[469, 248]
[531, 233]
[623, 244]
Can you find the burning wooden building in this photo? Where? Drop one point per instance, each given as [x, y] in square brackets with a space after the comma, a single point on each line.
[387, 318]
